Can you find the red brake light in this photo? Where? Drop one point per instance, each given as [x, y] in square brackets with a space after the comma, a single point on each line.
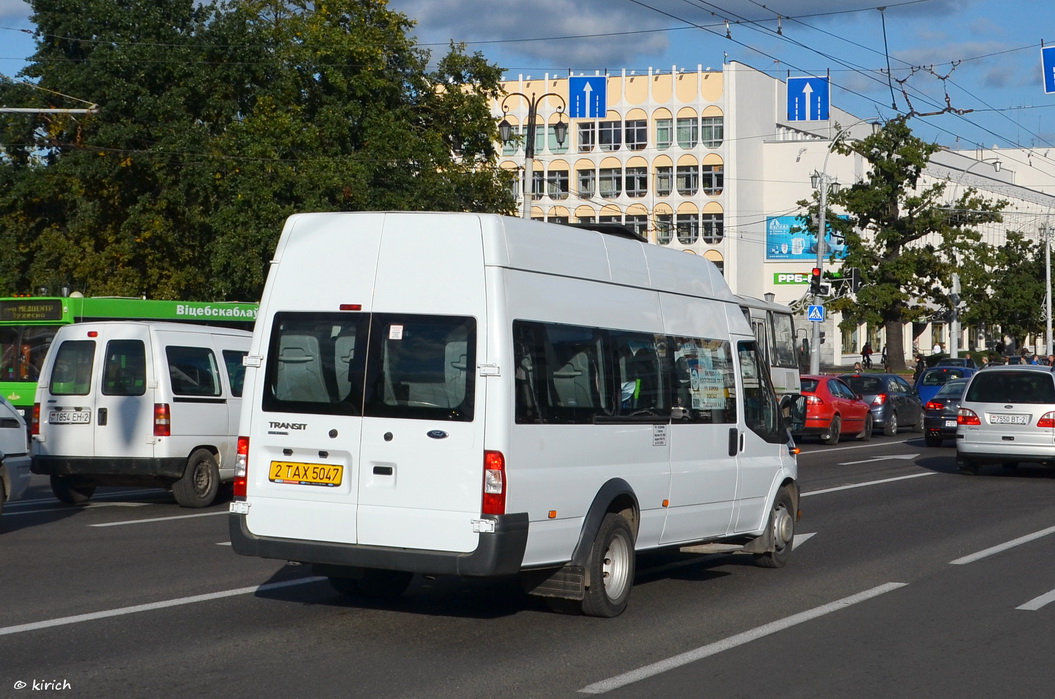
[879, 399]
[967, 417]
[162, 420]
[241, 467]
[934, 405]
[814, 400]
[1046, 420]
[34, 419]
[494, 502]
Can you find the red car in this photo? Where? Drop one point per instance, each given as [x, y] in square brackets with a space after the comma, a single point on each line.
[829, 408]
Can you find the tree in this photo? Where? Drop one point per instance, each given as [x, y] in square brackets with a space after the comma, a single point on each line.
[1013, 295]
[901, 235]
[217, 121]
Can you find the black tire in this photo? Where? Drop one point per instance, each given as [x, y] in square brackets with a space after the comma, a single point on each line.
[72, 490]
[375, 584]
[933, 440]
[918, 425]
[3, 496]
[832, 436]
[200, 482]
[866, 433]
[782, 526]
[610, 568]
[890, 428]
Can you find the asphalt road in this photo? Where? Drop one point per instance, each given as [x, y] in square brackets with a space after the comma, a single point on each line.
[908, 579]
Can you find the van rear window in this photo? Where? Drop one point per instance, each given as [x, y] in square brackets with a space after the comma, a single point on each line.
[376, 365]
[71, 374]
[1011, 387]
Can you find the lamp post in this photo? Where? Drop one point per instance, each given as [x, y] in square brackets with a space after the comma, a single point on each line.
[505, 132]
[821, 181]
[1046, 231]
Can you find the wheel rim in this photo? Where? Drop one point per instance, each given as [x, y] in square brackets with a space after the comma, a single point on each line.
[615, 569]
[202, 478]
[783, 528]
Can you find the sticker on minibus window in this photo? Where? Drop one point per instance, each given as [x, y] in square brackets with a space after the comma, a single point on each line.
[395, 332]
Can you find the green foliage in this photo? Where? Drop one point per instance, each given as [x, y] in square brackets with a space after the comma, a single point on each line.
[901, 234]
[1013, 296]
[216, 121]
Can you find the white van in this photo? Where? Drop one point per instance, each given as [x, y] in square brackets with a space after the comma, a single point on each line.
[476, 395]
[139, 403]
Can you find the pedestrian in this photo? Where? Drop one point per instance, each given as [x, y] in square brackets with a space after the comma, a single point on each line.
[920, 366]
[857, 368]
[985, 361]
[1051, 360]
[1035, 360]
[936, 349]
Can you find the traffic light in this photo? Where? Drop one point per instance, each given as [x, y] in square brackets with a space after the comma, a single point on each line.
[815, 281]
[855, 280]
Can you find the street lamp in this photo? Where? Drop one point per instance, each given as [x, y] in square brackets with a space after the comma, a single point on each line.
[505, 132]
[1046, 231]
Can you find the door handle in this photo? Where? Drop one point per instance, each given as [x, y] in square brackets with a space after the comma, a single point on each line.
[734, 441]
[101, 418]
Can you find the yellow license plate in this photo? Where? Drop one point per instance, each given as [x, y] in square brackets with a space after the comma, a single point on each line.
[306, 474]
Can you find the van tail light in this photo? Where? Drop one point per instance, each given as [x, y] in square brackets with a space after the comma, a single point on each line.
[1047, 420]
[241, 467]
[162, 420]
[879, 399]
[967, 417]
[34, 419]
[494, 502]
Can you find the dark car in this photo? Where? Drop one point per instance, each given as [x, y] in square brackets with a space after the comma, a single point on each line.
[957, 361]
[934, 378]
[829, 408]
[939, 417]
[893, 401]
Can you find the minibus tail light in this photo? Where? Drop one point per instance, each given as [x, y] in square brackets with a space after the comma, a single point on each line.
[162, 420]
[241, 467]
[34, 419]
[494, 502]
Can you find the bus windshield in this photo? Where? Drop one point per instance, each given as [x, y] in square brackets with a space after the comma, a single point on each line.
[22, 350]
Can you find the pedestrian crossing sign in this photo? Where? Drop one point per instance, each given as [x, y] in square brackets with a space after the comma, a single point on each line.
[816, 314]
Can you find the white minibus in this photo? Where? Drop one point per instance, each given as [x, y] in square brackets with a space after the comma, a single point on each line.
[477, 395]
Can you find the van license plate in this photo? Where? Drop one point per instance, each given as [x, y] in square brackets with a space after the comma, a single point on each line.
[70, 417]
[306, 474]
[1009, 419]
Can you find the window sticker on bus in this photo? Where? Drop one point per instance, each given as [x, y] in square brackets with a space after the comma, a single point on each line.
[395, 332]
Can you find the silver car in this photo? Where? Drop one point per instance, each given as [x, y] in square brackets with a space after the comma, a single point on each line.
[14, 454]
[1007, 415]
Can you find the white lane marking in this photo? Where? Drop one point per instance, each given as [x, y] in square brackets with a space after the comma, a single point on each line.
[151, 606]
[733, 641]
[1038, 602]
[876, 459]
[868, 483]
[223, 543]
[95, 498]
[158, 519]
[801, 539]
[1002, 547]
[89, 506]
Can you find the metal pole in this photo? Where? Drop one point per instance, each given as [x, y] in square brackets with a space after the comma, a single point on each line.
[1047, 284]
[529, 159]
[815, 343]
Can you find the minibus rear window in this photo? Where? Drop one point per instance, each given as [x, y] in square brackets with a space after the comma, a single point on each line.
[377, 365]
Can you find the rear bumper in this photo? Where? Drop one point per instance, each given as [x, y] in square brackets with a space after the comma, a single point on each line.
[992, 453]
[499, 553]
[102, 468]
[16, 474]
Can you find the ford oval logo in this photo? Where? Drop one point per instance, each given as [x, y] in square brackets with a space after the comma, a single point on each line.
[437, 434]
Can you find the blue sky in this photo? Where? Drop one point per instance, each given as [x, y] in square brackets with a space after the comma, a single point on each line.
[978, 57]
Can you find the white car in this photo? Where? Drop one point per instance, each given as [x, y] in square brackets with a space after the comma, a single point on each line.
[14, 454]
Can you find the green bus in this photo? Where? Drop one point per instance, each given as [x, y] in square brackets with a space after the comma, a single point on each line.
[28, 324]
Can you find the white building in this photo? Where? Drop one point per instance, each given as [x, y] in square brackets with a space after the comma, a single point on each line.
[707, 161]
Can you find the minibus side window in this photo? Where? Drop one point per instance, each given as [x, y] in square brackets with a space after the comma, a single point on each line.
[703, 386]
[71, 375]
[124, 373]
[761, 412]
[640, 365]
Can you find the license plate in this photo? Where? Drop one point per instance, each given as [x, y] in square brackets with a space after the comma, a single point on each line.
[1009, 419]
[950, 423]
[70, 417]
[328, 475]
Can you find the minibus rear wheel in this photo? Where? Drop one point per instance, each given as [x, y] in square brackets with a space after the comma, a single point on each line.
[200, 482]
[72, 490]
[611, 568]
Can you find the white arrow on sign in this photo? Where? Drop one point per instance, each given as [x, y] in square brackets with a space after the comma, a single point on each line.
[807, 92]
[896, 457]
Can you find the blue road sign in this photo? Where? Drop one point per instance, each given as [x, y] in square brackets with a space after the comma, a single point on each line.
[1047, 59]
[808, 99]
[588, 97]
[815, 313]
